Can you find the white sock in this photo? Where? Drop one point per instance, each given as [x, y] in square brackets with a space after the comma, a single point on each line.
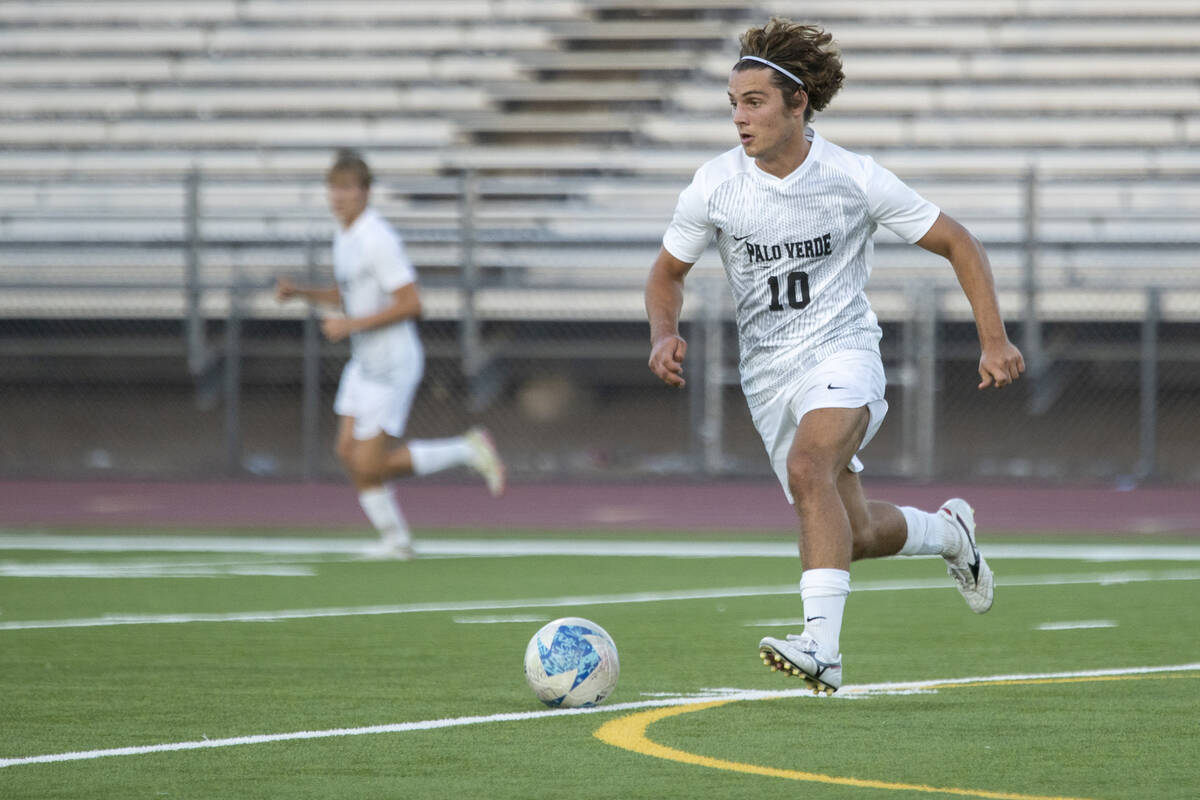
[824, 593]
[929, 534]
[381, 508]
[435, 455]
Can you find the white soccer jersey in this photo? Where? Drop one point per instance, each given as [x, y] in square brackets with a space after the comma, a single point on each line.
[369, 264]
[797, 253]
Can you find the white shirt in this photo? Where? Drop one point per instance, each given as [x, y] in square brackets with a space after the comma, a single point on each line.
[797, 253]
[369, 264]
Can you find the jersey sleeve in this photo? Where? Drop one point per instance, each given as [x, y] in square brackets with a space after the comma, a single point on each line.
[390, 261]
[691, 229]
[896, 206]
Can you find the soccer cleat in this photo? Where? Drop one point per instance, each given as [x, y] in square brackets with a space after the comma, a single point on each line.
[797, 656]
[486, 461]
[969, 570]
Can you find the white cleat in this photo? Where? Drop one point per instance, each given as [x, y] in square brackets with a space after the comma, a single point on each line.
[797, 656]
[969, 570]
[487, 461]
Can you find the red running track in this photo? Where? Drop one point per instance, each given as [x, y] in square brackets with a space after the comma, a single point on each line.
[748, 507]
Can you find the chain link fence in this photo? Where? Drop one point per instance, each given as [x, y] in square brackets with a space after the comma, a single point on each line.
[141, 337]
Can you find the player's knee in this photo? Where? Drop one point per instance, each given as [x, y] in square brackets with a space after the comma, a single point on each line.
[806, 473]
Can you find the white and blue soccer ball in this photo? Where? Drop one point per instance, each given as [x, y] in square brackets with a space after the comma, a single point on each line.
[572, 662]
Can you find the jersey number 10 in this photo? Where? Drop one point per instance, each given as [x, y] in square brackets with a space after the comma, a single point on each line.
[797, 291]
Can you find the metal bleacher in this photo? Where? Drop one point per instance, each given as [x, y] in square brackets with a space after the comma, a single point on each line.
[161, 162]
[137, 135]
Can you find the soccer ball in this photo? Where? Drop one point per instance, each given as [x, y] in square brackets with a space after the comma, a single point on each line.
[571, 662]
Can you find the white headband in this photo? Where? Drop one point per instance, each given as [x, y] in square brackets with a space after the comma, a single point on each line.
[775, 67]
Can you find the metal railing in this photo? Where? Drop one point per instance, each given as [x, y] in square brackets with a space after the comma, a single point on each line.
[509, 260]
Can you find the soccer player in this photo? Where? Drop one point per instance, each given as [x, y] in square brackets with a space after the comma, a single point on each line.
[793, 217]
[377, 289]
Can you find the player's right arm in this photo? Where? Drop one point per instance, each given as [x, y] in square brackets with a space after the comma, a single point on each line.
[286, 289]
[664, 301]
[1000, 362]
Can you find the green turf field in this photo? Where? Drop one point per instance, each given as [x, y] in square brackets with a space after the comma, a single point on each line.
[384, 679]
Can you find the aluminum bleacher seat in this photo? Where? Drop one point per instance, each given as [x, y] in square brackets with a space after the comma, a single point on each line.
[605, 107]
[267, 11]
[313, 100]
[678, 33]
[643, 63]
[128, 41]
[459, 11]
[105, 100]
[120, 11]
[610, 93]
[83, 71]
[425, 38]
[926, 10]
[622, 9]
[351, 68]
[427, 132]
[540, 126]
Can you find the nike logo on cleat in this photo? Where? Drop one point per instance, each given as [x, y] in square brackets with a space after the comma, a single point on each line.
[971, 565]
[811, 619]
[974, 565]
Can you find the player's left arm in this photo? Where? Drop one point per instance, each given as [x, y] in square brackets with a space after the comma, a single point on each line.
[406, 304]
[1000, 362]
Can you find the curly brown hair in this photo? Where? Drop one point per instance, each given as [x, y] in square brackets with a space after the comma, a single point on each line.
[804, 50]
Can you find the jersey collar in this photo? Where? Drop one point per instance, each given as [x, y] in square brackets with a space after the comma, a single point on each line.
[359, 223]
[814, 153]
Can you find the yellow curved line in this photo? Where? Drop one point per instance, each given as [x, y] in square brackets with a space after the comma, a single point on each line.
[629, 733]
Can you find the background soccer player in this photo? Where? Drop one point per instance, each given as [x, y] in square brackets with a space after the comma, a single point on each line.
[793, 216]
[377, 289]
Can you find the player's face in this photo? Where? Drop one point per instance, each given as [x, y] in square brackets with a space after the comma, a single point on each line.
[764, 122]
[347, 197]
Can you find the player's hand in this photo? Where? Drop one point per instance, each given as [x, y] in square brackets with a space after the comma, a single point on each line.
[1000, 365]
[336, 328]
[666, 359]
[285, 289]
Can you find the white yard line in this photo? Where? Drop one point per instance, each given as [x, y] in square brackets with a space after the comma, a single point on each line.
[498, 619]
[481, 548]
[847, 692]
[64, 568]
[1076, 626]
[1107, 578]
[107, 543]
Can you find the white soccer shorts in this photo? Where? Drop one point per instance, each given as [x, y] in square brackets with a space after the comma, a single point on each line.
[850, 379]
[376, 403]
